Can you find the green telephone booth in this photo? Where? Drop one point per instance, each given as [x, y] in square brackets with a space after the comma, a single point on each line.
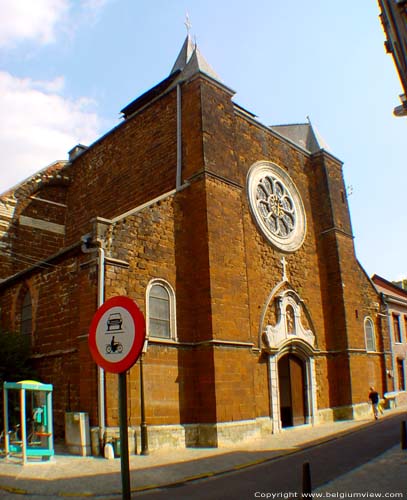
[28, 420]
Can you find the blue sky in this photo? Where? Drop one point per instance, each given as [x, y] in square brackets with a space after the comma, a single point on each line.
[67, 68]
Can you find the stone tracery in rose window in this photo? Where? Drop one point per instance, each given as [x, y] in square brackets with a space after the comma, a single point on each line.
[276, 206]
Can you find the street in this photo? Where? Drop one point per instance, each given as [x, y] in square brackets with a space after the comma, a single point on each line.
[283, 475]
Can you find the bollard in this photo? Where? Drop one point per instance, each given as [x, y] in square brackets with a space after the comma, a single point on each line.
[108, 451]
[306, 479]
[404, 435]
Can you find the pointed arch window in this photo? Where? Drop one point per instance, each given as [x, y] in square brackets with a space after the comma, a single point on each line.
[370, 335]
[26, 315]
[161, 310]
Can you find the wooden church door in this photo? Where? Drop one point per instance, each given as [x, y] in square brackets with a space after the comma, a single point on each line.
[292, 390]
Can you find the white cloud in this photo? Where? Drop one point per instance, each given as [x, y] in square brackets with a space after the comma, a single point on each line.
[41, 21]
[94, 5]
[39, 126]
[32, 20]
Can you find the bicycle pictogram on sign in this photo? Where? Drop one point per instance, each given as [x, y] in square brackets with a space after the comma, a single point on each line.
[117, 334]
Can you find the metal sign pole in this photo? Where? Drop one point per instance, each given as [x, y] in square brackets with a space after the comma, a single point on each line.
[116, 338]
[124, 438]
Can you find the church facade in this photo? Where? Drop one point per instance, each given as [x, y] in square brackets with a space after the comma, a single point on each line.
[234, 239]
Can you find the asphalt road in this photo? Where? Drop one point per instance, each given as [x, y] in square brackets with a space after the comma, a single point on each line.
[284, 475]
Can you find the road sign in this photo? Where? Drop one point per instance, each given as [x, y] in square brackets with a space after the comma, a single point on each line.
[117, 334]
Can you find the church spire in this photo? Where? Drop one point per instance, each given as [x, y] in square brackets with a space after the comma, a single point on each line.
[185, 55]
[190, 60]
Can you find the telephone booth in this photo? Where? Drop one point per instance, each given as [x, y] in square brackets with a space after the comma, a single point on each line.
[28, 420]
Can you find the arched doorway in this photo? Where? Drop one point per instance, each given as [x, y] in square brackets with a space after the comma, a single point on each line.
[291, 381]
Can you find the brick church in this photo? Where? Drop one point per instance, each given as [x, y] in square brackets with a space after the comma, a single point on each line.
[233, 237]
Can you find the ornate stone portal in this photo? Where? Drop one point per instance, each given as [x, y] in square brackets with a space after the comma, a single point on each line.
[289, 325]
[289, 336]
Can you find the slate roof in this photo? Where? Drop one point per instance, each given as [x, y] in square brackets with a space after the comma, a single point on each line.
[303, 134]
[189, 62]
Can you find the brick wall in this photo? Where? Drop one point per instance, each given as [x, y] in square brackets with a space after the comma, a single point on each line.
[130, 165]
[59, 300]
[204, 242]
[324, 271]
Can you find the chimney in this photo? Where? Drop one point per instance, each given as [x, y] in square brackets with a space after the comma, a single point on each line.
[76, 151]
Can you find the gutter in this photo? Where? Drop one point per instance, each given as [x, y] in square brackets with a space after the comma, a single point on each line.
[100, 300]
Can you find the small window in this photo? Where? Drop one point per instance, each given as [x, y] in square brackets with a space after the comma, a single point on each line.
[396, 328]
[161, 310]
[369, 335]
[26, 315]
[401, 375]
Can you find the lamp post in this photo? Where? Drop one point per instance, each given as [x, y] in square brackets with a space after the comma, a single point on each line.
[143, 424]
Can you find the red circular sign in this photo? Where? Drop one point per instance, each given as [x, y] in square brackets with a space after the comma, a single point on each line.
[117, 334]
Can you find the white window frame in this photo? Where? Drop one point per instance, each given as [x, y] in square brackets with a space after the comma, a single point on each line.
[173, 319]
[368, 319]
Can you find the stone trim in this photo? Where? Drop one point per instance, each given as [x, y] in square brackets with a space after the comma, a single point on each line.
[51, 354]
[215, 342]
[36, 198]
[43, 225]
[110, 261]
[276, 185]
[352, 351]
[337, 230]
[213, 175]
[310, 387]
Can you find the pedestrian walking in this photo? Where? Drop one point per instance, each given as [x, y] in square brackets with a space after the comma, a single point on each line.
[374, 399]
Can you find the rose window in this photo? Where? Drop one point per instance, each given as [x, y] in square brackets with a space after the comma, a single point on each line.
[276, 205]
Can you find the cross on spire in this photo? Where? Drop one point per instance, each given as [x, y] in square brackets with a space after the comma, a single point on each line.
[187, 23]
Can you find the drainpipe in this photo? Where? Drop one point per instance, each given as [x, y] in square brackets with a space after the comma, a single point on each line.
[100, 300]
[101, 372]
[178, 181]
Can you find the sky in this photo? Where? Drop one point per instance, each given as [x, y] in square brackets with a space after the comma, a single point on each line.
[67, 68]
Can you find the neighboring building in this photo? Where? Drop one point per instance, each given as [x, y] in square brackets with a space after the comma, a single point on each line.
[393, 15]
[395, 302]
[401, 284]
[235, 240]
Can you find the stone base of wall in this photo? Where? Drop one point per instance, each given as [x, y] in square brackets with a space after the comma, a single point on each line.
[349, 412]
[396, 398]
[113, 433]
[401, 399]
[226, 433]
[205, 435]
[194, 435]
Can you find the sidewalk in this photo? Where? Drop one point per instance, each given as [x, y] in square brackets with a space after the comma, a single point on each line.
[94, 477]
